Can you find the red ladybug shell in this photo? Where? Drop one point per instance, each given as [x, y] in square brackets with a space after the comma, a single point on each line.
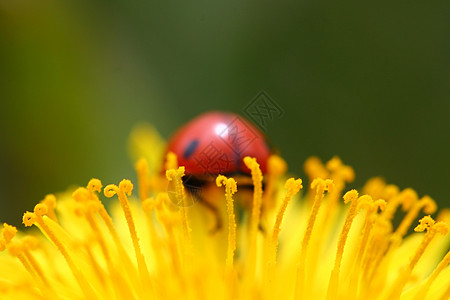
[216, 143]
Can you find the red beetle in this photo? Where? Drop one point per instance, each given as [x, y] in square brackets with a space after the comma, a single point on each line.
[215, 143]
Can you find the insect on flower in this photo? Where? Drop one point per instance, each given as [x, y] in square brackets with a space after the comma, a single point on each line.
[326, 243]
[216, 143]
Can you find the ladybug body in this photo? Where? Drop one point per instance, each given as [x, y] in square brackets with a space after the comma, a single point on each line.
[215, 143]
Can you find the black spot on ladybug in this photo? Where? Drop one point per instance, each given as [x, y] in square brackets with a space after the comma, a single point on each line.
[190, 149]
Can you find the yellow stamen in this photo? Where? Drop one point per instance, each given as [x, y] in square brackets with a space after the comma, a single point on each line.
[169, 220]
[314, 168]
[429, 207]
[446, 294]
[444, 262]
[390, 191]
[21, 251]
[293, 187]
[426, 223]
[30, 243]
[143, 179]
[257, 178]
[376, 249]
[340, 174]
[230, 189]
[351, 196]
[8, 233]
[87, 210]
[383, 242]
[125, 187]
[377, 188]
[176, 175]
[156, 243]
[432, 227]
[374, 187]
[17, 249]
[371, 212]
[320, 186]
[406, 198]
[149, 204]
[444, 215]
[95, 186]
[361, 255]
[171, 161]
[339, 171]
[187, 247]
[257, 194]
[50, 201]
[99, 273]
[82, 195]
[276, 166]
[39, 219]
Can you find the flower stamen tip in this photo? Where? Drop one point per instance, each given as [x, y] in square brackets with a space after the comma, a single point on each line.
[173, 173]
[29, 218]
[126, 186]
[293, 185]
[110, 190]
[95, 185]
[8, 232]
[351, 196]
[40, 209]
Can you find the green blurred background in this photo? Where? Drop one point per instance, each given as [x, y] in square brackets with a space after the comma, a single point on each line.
[366, 81]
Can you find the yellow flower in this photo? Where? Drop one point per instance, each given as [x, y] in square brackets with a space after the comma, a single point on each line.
[323, 243]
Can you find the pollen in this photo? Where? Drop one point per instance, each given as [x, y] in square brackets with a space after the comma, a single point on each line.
[146, 241]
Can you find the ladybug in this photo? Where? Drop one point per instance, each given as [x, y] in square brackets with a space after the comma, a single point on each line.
[215, 143]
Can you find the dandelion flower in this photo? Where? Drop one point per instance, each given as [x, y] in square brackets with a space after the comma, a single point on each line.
[320, 240]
